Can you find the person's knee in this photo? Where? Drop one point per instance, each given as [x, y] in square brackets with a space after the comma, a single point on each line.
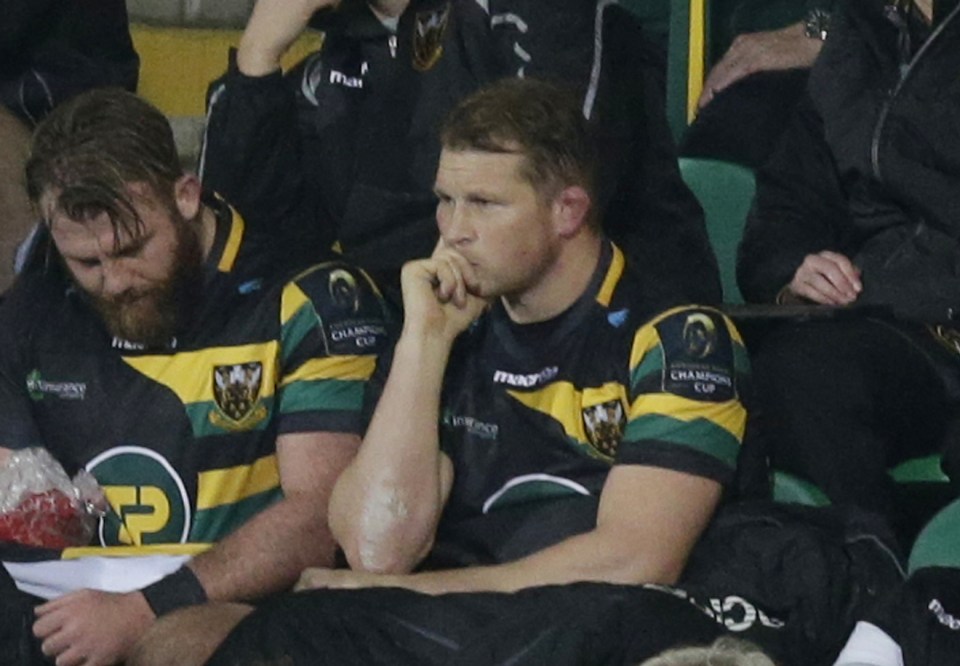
[189, 636]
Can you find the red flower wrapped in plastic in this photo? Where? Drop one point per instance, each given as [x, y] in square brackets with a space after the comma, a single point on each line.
[41, 506]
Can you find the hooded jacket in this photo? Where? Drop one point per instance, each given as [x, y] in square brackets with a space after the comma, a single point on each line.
[871, 166]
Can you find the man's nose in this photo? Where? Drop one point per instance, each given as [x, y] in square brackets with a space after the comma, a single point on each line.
[116, 279]
[460, 228]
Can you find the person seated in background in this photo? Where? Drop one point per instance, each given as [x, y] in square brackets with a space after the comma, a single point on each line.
[917, 627]
[214, 402]
[765, 50]
[345, 144]
[858, 210]
[547, 417]
[49, 52]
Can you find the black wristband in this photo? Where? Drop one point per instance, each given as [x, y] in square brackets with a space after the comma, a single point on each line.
[179, 589]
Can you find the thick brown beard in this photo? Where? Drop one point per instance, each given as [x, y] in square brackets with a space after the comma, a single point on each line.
[153, 316]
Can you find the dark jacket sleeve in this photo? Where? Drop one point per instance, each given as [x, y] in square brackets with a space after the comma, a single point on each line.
[251, 155]
[51, 51]
[649, 210]
[800, 208]
[20, 18]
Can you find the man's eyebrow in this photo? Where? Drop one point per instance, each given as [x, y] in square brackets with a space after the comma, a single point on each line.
[131, 246]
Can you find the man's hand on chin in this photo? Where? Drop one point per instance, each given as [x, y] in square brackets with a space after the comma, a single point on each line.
[439, 294]
[92, 628]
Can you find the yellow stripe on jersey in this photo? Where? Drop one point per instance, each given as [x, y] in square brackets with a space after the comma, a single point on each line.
[190, 374]
[135, 551]
[645, 340]
[614, 272]
[232, 247]
[292, 300]
[729, 415]
[333, 367]
[562, 402]
[227, 486]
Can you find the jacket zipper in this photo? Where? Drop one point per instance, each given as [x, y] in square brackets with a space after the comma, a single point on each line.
[904, 75]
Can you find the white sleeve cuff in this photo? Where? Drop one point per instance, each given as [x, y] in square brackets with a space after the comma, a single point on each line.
[869, 645]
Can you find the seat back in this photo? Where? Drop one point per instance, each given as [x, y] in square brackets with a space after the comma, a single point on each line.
[725, 190]
[938, 544]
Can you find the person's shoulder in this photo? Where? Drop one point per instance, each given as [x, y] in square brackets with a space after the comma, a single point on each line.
[698, 348]
[694, 329]
[344, 302]
[639, 294]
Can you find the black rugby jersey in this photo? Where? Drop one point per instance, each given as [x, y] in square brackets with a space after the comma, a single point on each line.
[182, 438]
[544, 410]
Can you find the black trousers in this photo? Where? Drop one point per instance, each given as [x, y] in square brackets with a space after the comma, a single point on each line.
[842, 401]
[571, 625]
[18, 646]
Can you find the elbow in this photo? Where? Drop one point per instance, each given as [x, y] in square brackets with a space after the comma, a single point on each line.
[384, 538]
[376, 557]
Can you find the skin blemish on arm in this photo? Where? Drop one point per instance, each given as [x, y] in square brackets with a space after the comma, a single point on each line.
[377, 520]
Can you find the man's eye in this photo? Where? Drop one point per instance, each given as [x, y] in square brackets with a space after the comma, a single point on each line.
[87, 263]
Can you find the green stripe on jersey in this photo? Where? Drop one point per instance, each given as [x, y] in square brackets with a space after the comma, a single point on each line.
[296, 328]
[699, 434]
[216, 523]
[322, 395]
[650, 366]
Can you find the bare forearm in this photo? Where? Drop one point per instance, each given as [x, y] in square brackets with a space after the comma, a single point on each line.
[593, 556]
[267, 554]
[386, 505]
[274, 25]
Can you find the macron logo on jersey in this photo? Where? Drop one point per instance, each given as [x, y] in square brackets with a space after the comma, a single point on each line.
[525, 381]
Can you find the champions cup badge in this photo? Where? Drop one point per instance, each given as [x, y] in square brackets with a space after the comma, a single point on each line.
[236, 390]
[343, 291]
[428, 37]
[948, 337]
[699, 335]
[604, 424]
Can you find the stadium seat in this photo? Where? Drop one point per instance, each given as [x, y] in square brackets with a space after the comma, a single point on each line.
[725, 191]
[938, 544]
[794, 490]
[920, 470]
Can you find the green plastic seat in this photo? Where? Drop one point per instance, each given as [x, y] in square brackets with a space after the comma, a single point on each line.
[938, 544]
[794, 490]
[725, 190]
[920, 470]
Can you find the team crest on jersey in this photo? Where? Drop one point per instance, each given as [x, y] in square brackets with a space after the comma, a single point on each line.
[604, 424]
[428, 37]
[236, 390]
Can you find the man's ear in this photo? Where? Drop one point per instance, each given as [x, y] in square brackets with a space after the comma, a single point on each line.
[570, 210]
[186, 192]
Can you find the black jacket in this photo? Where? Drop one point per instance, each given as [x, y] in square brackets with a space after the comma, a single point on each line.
[51, 50]
[346, 144]
[871, 166]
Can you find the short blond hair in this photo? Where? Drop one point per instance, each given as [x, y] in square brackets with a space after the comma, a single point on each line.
[724, 651]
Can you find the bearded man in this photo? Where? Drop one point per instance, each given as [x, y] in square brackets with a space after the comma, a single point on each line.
[215, 403]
